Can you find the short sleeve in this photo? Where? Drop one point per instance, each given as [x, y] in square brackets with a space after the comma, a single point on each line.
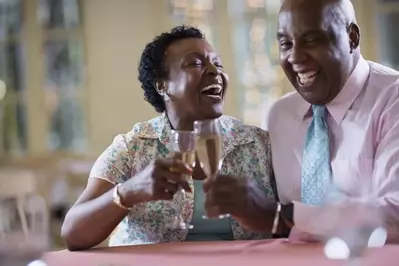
[115, 163]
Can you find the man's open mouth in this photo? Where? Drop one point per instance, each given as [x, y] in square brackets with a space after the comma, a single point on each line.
[307, 78]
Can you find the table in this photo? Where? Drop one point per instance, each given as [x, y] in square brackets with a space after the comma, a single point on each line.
[233, 253]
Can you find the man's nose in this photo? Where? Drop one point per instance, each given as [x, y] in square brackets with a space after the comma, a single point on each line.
[297, 55]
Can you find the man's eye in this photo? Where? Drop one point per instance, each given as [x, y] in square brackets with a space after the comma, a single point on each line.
[311, 40]
[285, 44]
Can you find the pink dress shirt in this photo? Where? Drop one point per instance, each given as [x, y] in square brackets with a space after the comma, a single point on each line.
[363, 123]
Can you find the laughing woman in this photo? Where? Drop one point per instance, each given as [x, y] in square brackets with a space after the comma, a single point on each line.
[128, 195]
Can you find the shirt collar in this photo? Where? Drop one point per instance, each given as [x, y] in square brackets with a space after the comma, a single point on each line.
[340, 105]
[234, 131]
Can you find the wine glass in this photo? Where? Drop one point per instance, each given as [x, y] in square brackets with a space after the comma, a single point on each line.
[23, 229]
[183, 149]
[354, 226]
[209, 147]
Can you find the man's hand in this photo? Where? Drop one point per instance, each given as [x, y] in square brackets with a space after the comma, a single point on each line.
[242, 199]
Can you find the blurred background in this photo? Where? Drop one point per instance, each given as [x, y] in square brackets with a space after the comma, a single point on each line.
[69, 72]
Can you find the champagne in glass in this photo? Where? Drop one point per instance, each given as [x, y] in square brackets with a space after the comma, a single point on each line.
[209, 148]
[183, 148]
[187, 157]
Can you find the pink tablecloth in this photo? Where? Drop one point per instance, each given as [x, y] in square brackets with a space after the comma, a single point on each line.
[247, 253]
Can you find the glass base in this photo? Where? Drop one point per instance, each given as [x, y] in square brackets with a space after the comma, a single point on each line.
[179, 223]
[222, 216]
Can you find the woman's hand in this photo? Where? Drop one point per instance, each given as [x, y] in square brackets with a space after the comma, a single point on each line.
[160, 180]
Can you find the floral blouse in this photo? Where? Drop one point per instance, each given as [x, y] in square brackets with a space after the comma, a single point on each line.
[246, 152]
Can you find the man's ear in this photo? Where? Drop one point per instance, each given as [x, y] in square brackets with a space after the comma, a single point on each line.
[354, 36]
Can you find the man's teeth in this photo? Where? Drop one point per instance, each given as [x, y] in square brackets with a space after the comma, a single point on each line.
[307, 78]
[307, 75]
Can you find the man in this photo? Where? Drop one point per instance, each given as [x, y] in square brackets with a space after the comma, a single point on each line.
[341, 124]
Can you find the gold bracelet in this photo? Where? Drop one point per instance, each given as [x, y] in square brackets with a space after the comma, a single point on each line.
[117, 199]
[276, 218]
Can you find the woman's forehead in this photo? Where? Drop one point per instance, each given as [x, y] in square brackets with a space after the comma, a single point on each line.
[188, 46]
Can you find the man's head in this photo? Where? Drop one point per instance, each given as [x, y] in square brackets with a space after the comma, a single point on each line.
[319, 46]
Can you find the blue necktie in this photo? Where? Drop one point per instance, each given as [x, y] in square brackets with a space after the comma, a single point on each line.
[316, 169]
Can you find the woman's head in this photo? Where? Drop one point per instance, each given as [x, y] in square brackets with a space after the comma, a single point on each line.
[182, 75]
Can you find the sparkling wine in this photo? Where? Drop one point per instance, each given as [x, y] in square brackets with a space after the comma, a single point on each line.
[187, 157]
[209, 150]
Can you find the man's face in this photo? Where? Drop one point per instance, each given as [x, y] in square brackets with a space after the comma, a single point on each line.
[315, 48]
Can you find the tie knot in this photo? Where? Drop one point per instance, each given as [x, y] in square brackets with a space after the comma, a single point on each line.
[319, 110]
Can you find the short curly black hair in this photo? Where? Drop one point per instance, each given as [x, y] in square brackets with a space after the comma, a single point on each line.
[151, 66]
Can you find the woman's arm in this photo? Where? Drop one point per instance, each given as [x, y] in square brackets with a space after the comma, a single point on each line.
[93, 217]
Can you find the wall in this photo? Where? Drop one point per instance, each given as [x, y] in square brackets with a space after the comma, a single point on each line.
[116, 32]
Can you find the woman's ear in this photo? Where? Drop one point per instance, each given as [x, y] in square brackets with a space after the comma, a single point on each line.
[161, 87]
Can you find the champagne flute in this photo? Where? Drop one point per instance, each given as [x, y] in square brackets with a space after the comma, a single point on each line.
[183, 149]
[209, 148]
[354, 229]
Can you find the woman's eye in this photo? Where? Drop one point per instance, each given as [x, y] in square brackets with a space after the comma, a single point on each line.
[218, 64]
[196, 63]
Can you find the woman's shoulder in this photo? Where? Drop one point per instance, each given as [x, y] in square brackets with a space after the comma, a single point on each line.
[235, 126]
[150, 129]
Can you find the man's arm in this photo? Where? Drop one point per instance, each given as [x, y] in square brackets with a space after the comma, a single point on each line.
[384, 196]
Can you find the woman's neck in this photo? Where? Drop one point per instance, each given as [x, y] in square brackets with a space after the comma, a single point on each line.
[179, 123]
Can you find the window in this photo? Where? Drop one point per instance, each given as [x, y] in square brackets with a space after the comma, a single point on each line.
[12, 88]
[256, 51]
[64, 81]
[389, 36]
[194, 12]
[53, 38]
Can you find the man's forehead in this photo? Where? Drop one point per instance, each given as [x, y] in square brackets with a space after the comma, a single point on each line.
[303, 19]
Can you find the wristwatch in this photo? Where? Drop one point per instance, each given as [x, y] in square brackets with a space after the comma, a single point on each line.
[287, 214]
[117, 198]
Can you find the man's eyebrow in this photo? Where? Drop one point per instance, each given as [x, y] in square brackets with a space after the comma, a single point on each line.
[281, 35]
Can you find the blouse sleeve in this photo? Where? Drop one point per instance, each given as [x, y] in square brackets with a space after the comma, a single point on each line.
[115, 163]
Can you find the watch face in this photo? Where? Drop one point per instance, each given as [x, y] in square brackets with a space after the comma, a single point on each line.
[287, 211]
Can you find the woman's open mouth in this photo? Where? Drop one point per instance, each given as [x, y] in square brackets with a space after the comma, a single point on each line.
[213, 91]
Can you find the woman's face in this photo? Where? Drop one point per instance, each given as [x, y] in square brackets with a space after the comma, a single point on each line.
[196, 82]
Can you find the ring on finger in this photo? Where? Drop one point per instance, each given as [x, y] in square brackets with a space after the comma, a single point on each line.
[173, 169]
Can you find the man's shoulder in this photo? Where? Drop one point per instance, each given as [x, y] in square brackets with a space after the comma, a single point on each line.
[286, 105]
[383, 77]
[290, 99]
[383, 85]
[256, 133]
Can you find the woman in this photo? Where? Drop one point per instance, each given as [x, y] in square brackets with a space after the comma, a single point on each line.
[131, 185]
